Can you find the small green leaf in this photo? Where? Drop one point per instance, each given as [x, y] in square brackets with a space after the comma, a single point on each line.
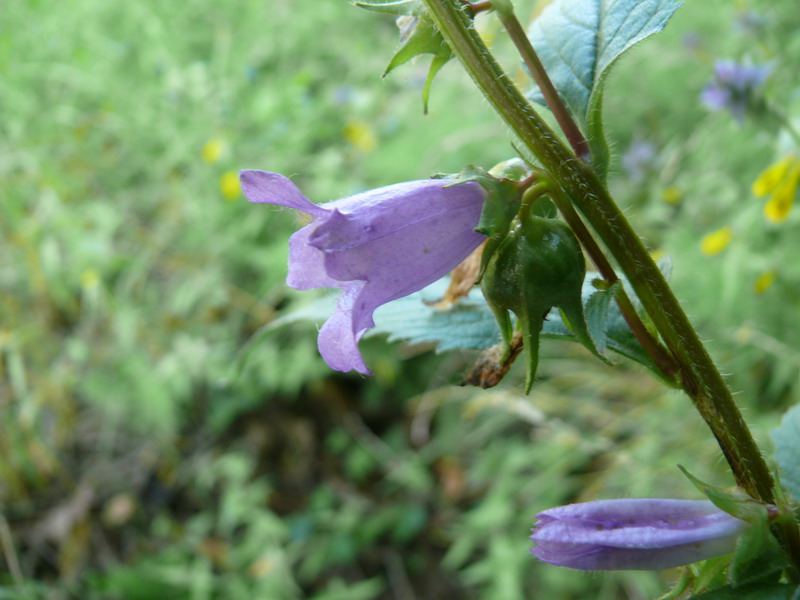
[786, 438]
[392, 7]
[597, 313]
[579, 40]
[733, 500]
[425, 39]
[757, 591]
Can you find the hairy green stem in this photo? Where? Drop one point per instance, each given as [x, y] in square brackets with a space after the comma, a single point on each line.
[697, 374]
[661, 357]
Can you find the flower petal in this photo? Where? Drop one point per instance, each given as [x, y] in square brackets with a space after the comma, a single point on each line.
[715, 242]
[599, 558]
[307, 263]
[381, 212]
[641, 533]
[780, 203]
[406, 260]
[337, 341]
[273, 188]
[770, 177]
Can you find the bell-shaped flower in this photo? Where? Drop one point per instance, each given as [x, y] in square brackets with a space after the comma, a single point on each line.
[634, 533]
[376, 246]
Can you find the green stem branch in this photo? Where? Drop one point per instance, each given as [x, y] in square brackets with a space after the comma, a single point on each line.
[542, 79]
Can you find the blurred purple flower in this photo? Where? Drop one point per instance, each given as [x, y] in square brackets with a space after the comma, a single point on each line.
[733, 87]
[692, 41]
[633, 533]
[750, 22]
[639, 159]
[376, 246]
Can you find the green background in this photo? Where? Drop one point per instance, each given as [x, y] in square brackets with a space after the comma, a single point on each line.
[156, 443]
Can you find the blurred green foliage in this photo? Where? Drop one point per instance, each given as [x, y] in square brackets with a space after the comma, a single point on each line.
[149, 450]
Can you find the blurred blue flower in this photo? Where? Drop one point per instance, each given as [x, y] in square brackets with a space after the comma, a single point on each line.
[633, 533]
[692, 41]
[376, 246]
[750, 22]
[639, 159]
[733, 87]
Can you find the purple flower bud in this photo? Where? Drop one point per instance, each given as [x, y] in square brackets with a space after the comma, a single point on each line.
[633, 533]
[376, 246]
[733, 87]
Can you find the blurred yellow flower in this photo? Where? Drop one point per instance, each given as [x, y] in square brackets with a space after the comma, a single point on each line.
[213, 149]
[716, 241]
[261, 567]
[781, 180]
[229, 185]
[672, 195]
[360, 135]
[658, 254]
[764, 281]
[90, 279]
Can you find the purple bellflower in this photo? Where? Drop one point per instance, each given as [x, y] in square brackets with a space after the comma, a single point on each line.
[376, 246]
[733, 87]
[633, 533]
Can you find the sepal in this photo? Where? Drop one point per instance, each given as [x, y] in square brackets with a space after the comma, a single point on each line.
[423, 39]
[391, 7]
[536, 266]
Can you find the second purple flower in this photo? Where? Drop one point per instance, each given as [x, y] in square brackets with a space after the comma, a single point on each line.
[634, 533]
[376, 246]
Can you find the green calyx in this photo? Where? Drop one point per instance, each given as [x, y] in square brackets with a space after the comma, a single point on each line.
[538, 265]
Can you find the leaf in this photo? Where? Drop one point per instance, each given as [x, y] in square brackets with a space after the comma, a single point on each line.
[424, 39]
[469, 324]
[579, 40]
[758, 557]
[733, 500]
[759, 591]
[597, 312]
[391, 7]
[786, 438]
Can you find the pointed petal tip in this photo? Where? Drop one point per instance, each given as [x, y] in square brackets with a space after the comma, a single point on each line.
[265, 187]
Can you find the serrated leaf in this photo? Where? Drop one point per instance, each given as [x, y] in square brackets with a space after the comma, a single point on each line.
[391, 7]
[468, 325]
[758, 591]
[425, 39]
[579, 40]
[597, 312]
[786, 438]
[474, 327]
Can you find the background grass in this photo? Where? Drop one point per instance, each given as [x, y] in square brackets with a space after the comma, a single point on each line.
[145, 454]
